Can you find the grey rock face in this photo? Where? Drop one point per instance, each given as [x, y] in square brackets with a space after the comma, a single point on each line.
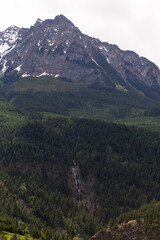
[57, 48]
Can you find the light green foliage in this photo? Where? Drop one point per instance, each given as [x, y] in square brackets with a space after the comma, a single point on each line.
[147, 213]
[145, 122]
[46, 84]
[9, 117]
[120, 87]
[13, 236]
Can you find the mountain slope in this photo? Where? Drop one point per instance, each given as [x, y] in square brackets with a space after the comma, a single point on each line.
[48, 94]
[57, 48]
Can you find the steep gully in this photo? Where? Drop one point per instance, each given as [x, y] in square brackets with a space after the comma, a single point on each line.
[74, 171]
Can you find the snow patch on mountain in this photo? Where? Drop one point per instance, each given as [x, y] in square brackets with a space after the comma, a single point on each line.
[96, 62]
[57, 75]
[9, 49]
[4, 47]
[26, 75]
[103, 48]
[43, 74]
[18, 69]
[7, 41]
[5, 67]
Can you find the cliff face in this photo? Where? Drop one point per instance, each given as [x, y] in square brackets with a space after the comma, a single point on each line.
[137, 230]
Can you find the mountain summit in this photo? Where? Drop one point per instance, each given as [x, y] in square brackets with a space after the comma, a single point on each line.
[57, 48]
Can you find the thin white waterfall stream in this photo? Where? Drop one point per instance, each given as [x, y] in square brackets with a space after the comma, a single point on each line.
[74, 171]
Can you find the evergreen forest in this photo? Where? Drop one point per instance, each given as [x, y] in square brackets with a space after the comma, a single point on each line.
[66, 178]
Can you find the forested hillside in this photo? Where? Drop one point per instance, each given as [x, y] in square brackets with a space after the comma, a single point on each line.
[95, 101]
[72, 175]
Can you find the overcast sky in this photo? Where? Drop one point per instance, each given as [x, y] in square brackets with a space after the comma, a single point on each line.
[131, 24]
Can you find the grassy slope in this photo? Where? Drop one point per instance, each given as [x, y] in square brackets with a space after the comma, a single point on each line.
[9, 117]
[12, 236]
[46, 84]
[145, 122]
[91, 108]
[48, 94]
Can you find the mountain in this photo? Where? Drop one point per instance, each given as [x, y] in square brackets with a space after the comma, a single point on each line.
[53, 67]
[66, 178]
[58, 48]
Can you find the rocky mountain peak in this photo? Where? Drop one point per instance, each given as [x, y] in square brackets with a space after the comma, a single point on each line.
[62, 19]
[38, 21]
[56, 47]
[12, 29]
[59, 21]
[9, 34]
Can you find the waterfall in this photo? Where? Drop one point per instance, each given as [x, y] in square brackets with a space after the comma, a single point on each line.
[74, 171]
